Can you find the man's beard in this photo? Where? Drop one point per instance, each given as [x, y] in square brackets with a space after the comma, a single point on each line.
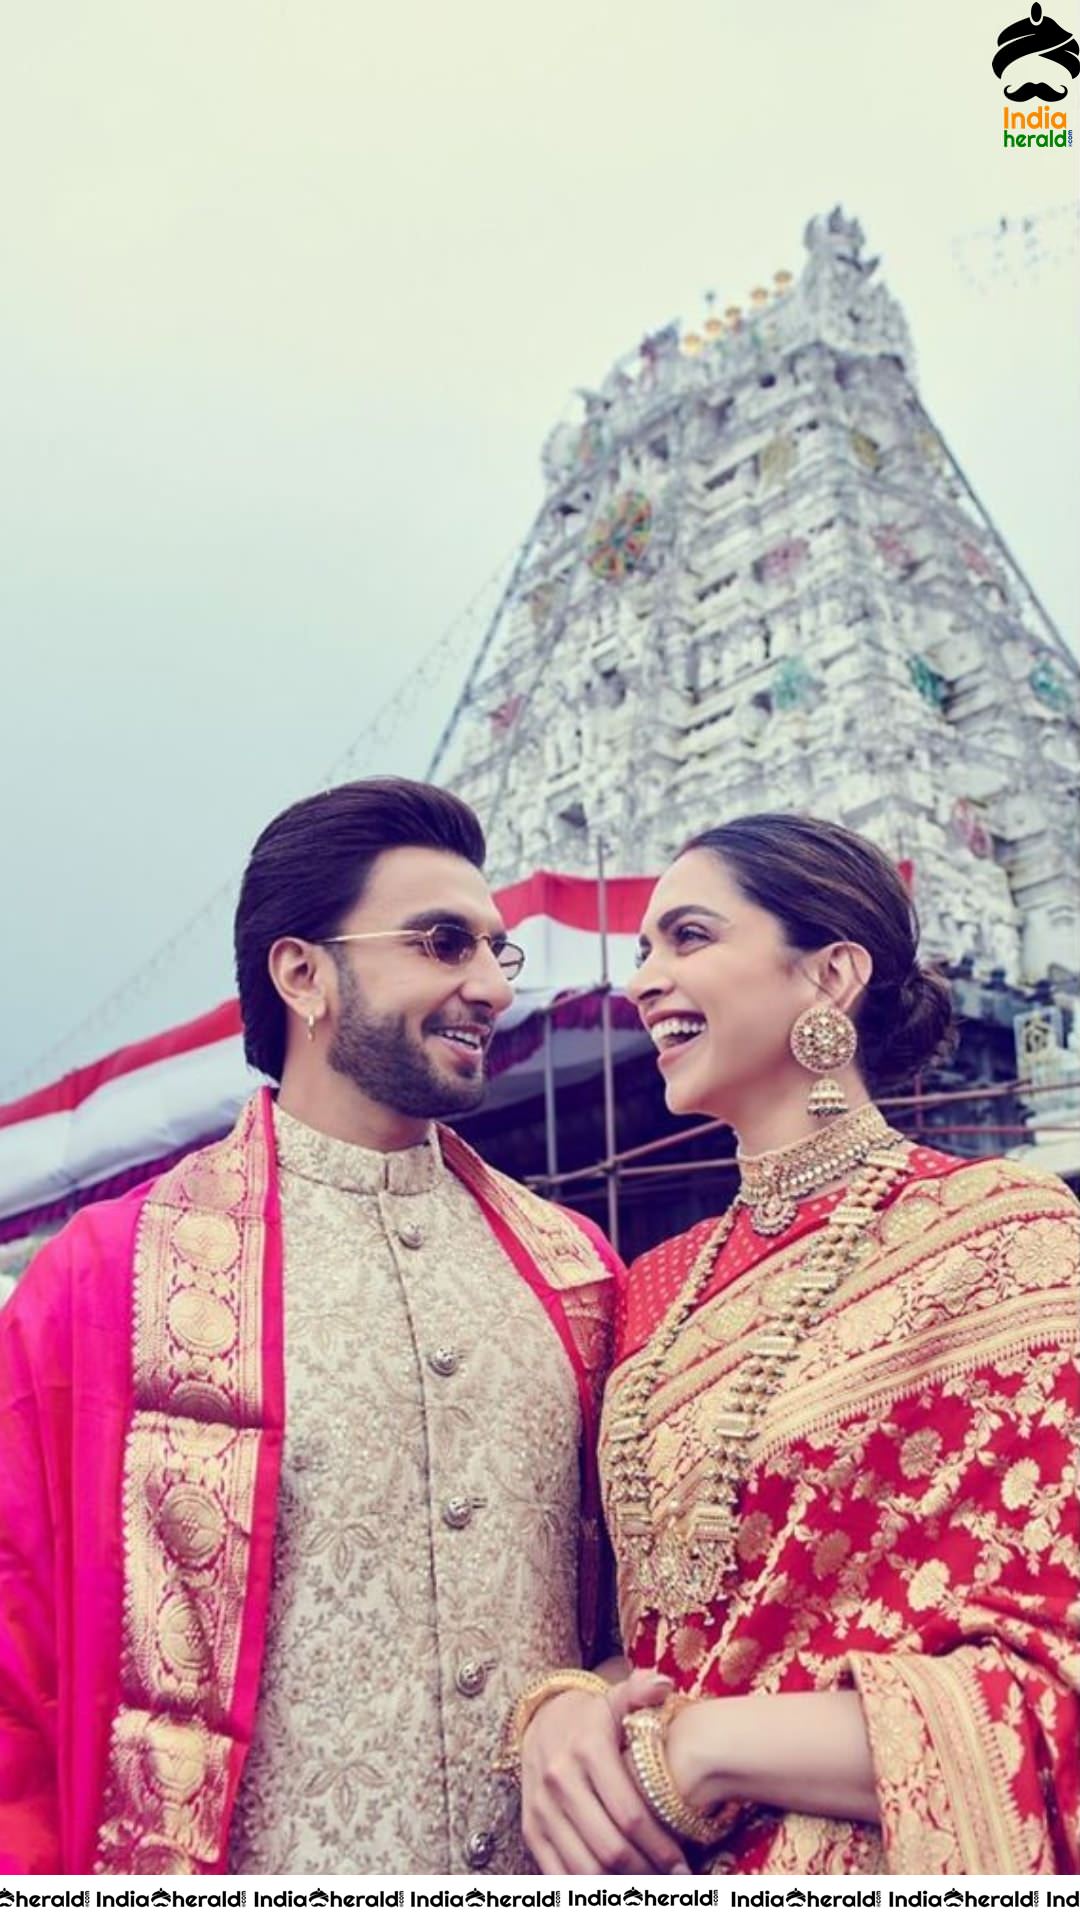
[376, 1053]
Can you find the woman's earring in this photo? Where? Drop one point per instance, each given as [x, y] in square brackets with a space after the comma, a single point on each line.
[823, 1040]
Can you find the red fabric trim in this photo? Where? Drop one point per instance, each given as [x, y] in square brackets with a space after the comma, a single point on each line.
[566, 898]
[222, 1023]
[571, 899]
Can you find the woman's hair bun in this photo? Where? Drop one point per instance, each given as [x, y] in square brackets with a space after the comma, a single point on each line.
[905, 1028]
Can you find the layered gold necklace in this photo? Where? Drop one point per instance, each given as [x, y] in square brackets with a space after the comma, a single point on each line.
[772, 1184]
[685, 1563]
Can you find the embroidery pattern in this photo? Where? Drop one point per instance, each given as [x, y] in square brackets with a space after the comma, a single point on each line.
[361, 1763]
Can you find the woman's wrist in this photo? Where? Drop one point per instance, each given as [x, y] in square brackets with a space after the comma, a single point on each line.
[648, 1738]
[807, 1752]
[695, 1757]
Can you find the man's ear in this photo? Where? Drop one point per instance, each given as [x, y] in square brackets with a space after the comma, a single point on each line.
[296, 968]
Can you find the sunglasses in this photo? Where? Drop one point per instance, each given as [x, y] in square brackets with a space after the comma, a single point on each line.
[451, 946]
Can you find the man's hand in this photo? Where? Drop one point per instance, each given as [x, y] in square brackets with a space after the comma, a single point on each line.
[580, 1809]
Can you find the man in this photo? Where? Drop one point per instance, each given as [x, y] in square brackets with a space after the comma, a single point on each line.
[297, 1439]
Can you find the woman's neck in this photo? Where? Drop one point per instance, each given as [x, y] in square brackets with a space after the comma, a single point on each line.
[771, 1118]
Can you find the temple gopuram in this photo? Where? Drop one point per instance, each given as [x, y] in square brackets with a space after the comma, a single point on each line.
[758, 579]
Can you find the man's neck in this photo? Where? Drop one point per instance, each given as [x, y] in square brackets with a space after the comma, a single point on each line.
[332, 1105]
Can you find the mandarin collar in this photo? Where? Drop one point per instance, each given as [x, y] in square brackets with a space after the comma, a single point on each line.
[328, 1162]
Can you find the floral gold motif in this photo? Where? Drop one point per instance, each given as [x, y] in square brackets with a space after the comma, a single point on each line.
[200, 1322]
[1019, 1484]
[209, 1241]
[192, 1525]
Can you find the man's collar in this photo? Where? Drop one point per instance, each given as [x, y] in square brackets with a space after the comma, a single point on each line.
[339, 1163]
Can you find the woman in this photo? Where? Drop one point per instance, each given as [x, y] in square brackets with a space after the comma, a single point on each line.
[838, 1443]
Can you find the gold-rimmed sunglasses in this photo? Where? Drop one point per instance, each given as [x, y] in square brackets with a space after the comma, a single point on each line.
[451, 946]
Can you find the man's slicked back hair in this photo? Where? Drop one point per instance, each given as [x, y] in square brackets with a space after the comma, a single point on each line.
[309, 868]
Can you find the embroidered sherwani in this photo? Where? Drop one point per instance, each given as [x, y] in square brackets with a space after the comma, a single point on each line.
[908, 1525]
[425, 1559]
[298, 1484]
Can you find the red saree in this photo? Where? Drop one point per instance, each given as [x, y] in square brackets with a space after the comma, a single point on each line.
[142, 1410]
[909, 1523]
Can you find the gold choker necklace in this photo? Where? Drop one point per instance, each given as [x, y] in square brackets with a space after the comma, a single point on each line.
[773, 1183]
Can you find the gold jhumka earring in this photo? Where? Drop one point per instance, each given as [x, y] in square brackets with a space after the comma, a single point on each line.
[823, 1040]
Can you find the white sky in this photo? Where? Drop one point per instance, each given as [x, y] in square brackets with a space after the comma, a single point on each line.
[293, 294]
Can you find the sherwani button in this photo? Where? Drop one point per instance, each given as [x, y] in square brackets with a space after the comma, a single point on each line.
[470, 1679]
[457, 1513]
[443, 1361]
[479, 1848]
[410, 1234]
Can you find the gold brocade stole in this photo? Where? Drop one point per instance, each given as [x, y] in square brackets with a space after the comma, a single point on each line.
[192, 1454]
[565, 1256]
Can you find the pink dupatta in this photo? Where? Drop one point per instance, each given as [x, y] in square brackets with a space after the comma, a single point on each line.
[141, 1427]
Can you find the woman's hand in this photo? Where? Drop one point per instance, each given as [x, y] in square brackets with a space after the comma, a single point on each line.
[580, 1809]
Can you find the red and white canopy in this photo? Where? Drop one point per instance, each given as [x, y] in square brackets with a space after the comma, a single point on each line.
[104, 1127]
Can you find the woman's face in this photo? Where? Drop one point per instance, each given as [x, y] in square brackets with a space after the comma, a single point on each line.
[718, 988]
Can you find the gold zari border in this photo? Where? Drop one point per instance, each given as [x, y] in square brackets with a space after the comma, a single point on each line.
[941, 1778]
[189, 1482]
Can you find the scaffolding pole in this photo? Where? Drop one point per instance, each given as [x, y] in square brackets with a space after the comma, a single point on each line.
[611, 1164]
[551, 1127]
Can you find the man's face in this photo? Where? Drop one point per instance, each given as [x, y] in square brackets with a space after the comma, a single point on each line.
[411, 1032]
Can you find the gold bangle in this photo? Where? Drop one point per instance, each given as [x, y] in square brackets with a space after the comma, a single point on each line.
[529, 1702]
[647, 1752]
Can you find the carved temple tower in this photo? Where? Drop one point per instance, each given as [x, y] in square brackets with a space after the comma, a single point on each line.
[759, 580]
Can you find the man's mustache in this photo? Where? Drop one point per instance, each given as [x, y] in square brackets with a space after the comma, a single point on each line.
[1036, 90]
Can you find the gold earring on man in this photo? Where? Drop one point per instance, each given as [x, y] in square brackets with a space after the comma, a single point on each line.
[823, 1040]
[311, 1019]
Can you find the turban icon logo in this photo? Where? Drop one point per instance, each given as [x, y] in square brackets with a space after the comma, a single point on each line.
[1037, 38]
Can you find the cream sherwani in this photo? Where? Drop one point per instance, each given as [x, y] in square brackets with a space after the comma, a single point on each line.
[425, 1557]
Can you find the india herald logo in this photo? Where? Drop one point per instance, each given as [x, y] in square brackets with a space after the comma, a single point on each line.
[1036, 38]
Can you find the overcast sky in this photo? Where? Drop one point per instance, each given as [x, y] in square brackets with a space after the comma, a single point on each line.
[293, 294]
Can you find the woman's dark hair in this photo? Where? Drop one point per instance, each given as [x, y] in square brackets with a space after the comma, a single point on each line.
[309, 868]
[824, 883]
